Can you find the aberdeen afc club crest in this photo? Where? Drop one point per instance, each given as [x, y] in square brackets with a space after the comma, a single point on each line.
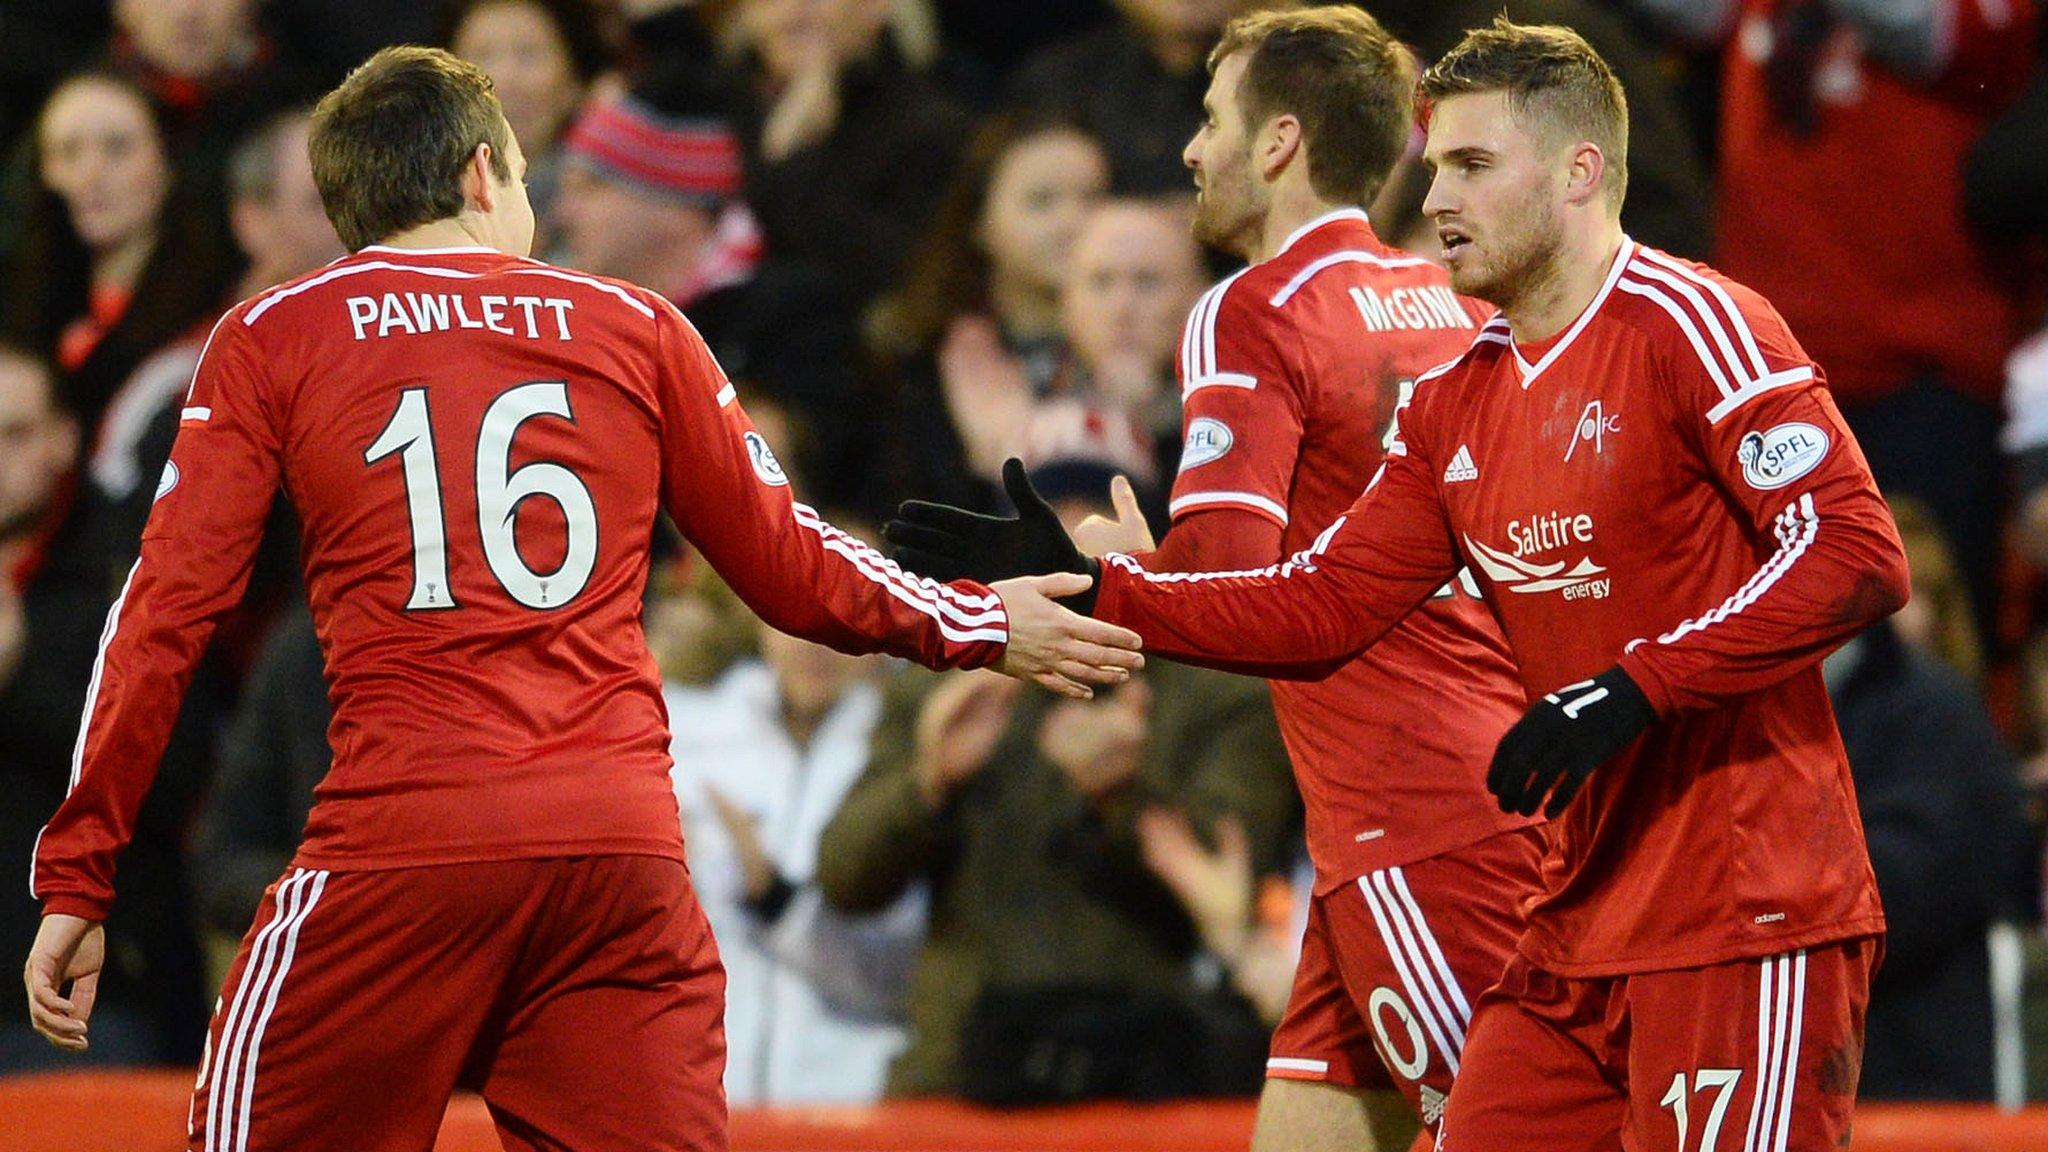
[766, 466]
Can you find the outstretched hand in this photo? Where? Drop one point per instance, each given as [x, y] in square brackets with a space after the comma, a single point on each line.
[1056, 649]
[948, 543]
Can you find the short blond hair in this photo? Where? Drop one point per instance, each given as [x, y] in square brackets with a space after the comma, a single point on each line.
[1550, 74]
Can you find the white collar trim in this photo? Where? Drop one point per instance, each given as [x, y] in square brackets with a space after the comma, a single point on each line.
[1531, 371]
[1357, 214]
[464, 250]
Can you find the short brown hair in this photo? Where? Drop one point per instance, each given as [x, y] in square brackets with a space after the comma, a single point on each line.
[1549, 71]
[1349, 82]
[389, 144]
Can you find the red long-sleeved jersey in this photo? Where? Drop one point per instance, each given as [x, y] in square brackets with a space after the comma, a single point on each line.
[1665, 484]
[477, 446]
[1291, 371]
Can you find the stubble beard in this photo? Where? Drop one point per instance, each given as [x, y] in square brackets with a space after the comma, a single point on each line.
[1225, 216]
[1521, 260]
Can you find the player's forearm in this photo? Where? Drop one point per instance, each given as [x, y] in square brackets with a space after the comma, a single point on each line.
[822, 585]
[1300, 620]
[157, 631]
[1839, 568]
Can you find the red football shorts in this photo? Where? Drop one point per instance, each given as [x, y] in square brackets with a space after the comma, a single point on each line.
[1756, 1055]
[582, 997]
[1392, 963]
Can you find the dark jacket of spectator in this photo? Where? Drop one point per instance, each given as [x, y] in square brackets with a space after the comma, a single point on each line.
[1110, 81]
[786, 334]
[984, 42]
[1668, 190]
[272, 754]
[856, 201]
[1033, 885]
[153, 984]
[2005, 180]
[1940, 800]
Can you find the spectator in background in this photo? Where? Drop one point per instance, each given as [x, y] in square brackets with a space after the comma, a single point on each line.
[1138, 82]
[541, 56]
[1668, 189]
[814, 997]
[1937, 621]
[1844, 127]
[842, 137]
[974, 339]
[1057, 965]
[212, 75]
[2005, 187]
[116, 263]
[53, 601]
[1940, 800]
[274, 748]
[282, 231]
[652, 193]
[1251, 924]
[1134, 275]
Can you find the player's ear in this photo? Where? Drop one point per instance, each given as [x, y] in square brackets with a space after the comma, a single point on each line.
[1585, 173]
[477, 190]
[1279, 143]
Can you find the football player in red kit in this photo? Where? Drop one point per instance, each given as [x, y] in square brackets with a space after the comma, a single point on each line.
[1290, 373]
[1673, 524]
[491, 890]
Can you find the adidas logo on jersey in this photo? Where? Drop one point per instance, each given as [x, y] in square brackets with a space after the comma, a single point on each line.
[1462, 467]
[1432, 1102]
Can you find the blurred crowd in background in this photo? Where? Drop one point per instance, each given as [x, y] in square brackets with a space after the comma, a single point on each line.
[923, 236]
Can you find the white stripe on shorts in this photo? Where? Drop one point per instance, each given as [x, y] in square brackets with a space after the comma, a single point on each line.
[1780, 1019]
[268, 959]
[1425, 999]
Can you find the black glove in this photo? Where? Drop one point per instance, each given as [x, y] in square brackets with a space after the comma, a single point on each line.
[948, 543]
[1562, 738]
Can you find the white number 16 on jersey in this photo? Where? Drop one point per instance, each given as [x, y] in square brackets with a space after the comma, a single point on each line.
[499, 489]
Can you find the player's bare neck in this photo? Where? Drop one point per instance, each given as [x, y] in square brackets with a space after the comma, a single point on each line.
[1556, 294]
[1291, 208]
[447, 232]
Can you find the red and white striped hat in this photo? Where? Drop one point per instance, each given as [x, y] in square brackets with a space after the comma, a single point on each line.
[693, 158]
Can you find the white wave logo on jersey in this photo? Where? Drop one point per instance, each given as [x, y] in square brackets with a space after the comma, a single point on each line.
[166, 482]
[766, 466]
[1207, 442]
[1776, 458]
[1582, 582]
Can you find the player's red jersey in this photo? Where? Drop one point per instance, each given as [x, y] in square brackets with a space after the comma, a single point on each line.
[1290, 374]
[477, 446]
[1665, 483]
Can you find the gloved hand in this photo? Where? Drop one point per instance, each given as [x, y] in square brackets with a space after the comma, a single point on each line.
[948, 543]
[1563, 738]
